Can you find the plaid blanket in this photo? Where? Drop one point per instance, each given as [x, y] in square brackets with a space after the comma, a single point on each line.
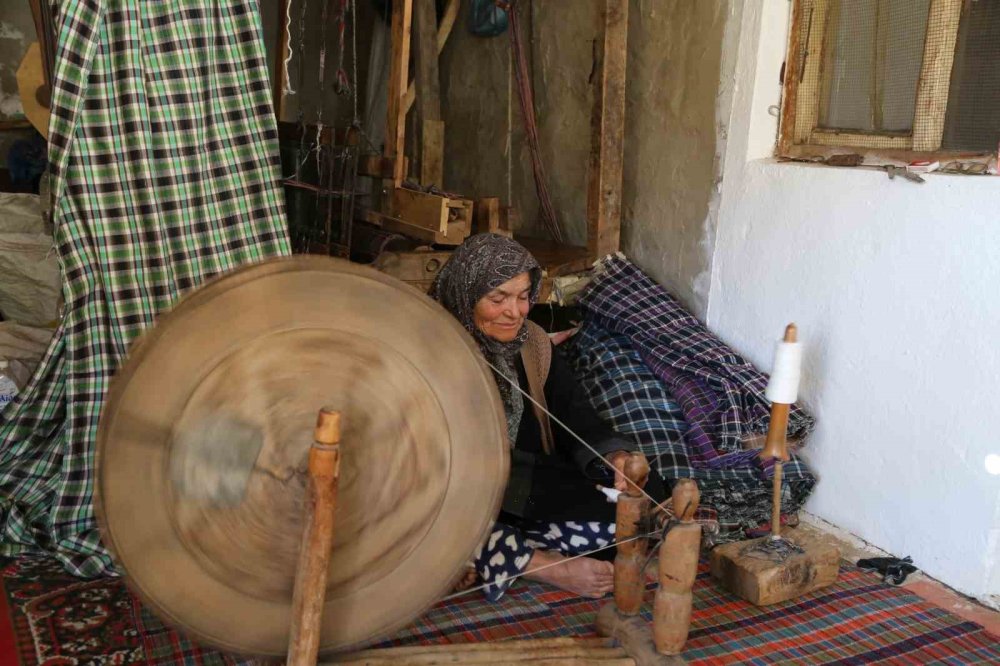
[163, 148]
[635, 401]
[720, 393]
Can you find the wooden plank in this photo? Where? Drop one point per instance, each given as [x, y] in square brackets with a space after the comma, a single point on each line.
[608, 135]
[810, 70]
[557, 259]
[443, 30]
[935, 73]
[822, 137]
[432, 153]
[428, 211]
[457, 231]
[417, 268]
[395, 121]
[790, 81]
[428, 94]
[487, 216]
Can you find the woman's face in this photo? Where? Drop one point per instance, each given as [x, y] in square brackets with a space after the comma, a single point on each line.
[500, 314]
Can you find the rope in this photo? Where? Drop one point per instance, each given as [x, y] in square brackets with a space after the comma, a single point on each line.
[613, 544]
[288, 40]
[526, 96]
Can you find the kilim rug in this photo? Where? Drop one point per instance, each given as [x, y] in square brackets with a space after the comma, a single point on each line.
[60, 619]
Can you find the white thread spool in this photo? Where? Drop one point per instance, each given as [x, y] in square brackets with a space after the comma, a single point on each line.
[783, 387]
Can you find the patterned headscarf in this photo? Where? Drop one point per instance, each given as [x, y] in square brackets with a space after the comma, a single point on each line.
[479, 265]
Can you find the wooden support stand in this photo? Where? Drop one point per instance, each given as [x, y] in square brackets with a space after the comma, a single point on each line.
[678, 568]
[633, 509]
[774, 569]
[621, 620]
[317, 539]
[763, 582]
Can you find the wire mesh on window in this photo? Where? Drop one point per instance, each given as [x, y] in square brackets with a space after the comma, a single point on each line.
[872, 56]
[973, 118]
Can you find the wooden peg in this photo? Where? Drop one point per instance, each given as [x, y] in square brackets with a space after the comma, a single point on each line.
[776, 445]
[633, 508]
[317, 538]
[678, 568]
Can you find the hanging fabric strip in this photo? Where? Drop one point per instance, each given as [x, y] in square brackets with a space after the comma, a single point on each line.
[164, 150]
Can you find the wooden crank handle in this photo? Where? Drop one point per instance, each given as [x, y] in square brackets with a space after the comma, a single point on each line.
[636, 470]
[685, 498]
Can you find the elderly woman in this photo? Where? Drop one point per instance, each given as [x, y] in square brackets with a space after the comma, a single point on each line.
[551, 510]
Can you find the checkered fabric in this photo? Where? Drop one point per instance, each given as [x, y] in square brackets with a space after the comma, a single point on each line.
[627, 394]
[720, 393]
[164, 153]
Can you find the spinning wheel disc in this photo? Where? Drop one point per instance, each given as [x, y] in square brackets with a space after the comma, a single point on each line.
[424, 452]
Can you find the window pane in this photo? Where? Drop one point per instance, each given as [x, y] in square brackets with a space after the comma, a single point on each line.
[973, 118]
[871, 62]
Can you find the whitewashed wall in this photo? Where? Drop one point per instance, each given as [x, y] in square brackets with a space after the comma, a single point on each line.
[896, 289]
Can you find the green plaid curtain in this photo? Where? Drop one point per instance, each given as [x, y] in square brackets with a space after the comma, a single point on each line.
[164, 150]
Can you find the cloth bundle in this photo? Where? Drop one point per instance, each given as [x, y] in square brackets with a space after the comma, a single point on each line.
[655, 372]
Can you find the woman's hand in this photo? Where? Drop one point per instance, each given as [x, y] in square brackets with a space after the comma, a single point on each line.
[617, 460]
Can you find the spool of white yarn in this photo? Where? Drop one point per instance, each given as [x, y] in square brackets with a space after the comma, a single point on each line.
[783, 387]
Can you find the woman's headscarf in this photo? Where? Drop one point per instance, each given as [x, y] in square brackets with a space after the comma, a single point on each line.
[479, 265]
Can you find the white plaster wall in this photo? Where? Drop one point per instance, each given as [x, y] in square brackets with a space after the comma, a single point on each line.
[896, 290]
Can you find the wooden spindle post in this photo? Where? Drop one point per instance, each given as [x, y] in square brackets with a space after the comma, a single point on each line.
[633, 508]
[678, 567]
[317, 539]
[776, 446]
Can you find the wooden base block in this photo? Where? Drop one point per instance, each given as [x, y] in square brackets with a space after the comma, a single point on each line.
[635, 636]
[762, 582]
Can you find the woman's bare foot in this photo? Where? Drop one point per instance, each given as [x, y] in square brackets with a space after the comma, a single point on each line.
[467, 580]
[584, 576]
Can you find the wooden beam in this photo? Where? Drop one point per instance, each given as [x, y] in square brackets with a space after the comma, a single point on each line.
[935, 73]
[395, 121]
[444, 29]
[428, 94]
[604, 193]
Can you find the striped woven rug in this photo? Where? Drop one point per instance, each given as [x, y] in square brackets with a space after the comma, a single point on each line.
[58, 619]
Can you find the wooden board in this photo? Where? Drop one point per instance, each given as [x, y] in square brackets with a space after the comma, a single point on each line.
[417, 269]
[557, 259]
[428, 94]
[762, 582]
[604, 192]
[395, 121]
[420, 209]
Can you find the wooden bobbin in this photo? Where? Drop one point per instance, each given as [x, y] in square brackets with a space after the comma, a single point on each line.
[633, 509]
[776, 446]
[317, 538]
[678, 567]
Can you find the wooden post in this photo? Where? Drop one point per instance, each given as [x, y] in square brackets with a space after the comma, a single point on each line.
[395, 120]
[604, 192]
[633, 507]
[678, 567]
[776, 446]
[317, 539]
[428, 95]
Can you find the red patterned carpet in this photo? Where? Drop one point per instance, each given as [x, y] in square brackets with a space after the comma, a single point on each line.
[59, 620]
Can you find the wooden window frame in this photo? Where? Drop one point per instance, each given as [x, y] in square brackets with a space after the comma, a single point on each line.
[799, 134]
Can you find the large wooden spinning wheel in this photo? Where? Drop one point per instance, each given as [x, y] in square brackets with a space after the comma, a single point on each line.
[424, 453]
